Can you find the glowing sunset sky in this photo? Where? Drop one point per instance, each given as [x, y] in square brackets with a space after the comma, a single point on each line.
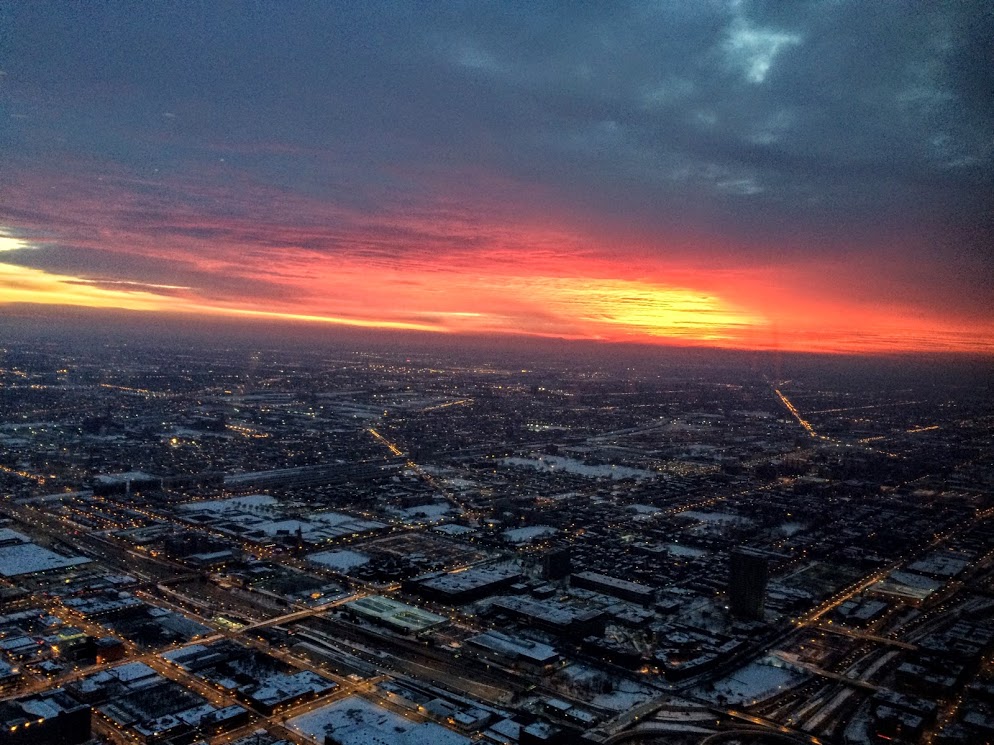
[758, 175]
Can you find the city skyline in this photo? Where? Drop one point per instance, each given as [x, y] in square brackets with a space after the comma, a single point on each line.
[736, 175]
[248, 545]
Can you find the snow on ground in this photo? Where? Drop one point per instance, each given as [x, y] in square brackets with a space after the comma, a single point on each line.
[754, 682]
[355, 721]
[426, 512]
[453, 529]
[628, 695]
[339, 561]
[529, 534]
[331, 518]
[581, 681]
[553, 463]
[232, 504]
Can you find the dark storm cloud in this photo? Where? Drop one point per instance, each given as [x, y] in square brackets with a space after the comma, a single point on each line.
[819, 123]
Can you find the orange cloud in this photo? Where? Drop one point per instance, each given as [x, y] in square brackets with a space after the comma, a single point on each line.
[572, 307]
[446, 266]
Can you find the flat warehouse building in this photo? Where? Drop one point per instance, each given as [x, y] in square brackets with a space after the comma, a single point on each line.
[395, 615]
[613, 586]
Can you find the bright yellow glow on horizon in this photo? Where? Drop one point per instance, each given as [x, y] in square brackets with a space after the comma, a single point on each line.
[362, 323]
[26, 285]
[601, 308]
[499, 297]
[675, 312]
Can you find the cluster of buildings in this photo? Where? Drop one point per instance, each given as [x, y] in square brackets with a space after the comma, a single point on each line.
[354, 547]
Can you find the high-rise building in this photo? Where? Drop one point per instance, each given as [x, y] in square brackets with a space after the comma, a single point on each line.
[557, 563]
[747, 575]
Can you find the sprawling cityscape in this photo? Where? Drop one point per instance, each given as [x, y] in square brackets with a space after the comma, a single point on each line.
[251, 546]
[532, 372]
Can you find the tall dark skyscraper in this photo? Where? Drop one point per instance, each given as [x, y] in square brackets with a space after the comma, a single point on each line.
[557, 563]
[747, 576]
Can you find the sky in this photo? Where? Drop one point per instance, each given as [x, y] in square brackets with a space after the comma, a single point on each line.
[758, 175]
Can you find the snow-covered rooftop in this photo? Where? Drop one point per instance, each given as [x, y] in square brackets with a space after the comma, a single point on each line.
[355, 721]
[339, 561]
[28, 558]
